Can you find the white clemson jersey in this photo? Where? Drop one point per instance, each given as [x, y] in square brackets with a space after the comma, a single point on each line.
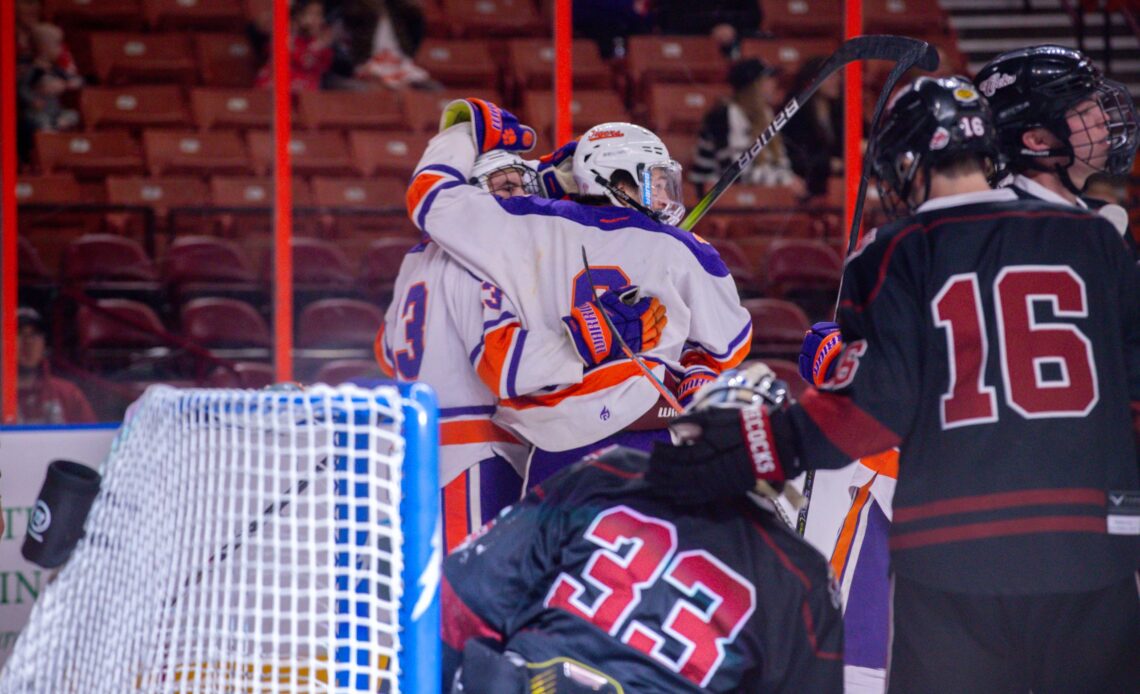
[441, 328]
[532, 247]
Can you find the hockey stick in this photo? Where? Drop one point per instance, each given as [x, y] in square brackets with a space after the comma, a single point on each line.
[904, 51]
[645, 370]
[928, 61]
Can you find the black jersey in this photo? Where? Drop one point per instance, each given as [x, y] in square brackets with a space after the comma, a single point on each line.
[998, 345]
[599, 566]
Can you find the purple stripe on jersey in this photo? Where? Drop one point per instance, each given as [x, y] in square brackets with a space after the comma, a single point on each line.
[732, 345]
[441, 168]
[615, 219]
[474, 356]
[487, 325]
[866, 620]
[426, 204]
[445, 412]
[513, 369]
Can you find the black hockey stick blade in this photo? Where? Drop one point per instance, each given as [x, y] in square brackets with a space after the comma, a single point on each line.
[900, 49]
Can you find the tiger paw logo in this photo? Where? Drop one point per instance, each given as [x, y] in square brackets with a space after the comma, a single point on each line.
[604, 414]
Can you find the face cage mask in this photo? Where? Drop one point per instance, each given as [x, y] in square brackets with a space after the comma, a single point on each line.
[661, 183]
[529, 180]
[896, 185]
[1111, 110]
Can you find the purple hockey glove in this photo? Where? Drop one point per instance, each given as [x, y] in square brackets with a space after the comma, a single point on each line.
[822, 344]
[638, 319]
[494, 127]
[556, 172]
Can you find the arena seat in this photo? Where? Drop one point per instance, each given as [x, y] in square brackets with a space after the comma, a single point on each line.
[194, 14]
[251, 201]
[170, 152]
[98, 257]
[587, 109]
[674, 59]
[344, 370]
[160, 194]
[422, 108]
[347, 110]
[89, 155]
[338, 328]
[778, 327]
[117, 333]
[458, 63]
[384, 191]
[530, 65]
[134, 57]
[195, 266]
[85, 14]
[788, 54]
[806, 272]
[242, 374]
[31, 267]
[229, 328]
[737, 262]
[240, 109]
[903, 17]
[798, 18]
[498, 18]
[317, 153]
[225, 60]
[392, 153]
[320, 271]
[133, 107]
[379, 266]
[681, 108]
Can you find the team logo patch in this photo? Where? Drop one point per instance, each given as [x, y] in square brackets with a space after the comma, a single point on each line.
[939, 139]
[995, 82]
[604, 134]
[965, 95]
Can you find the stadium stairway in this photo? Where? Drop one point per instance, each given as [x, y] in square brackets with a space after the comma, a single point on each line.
[988, 27]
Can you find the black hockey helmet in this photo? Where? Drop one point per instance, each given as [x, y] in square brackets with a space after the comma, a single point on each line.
[1038, 87]
[930, 121]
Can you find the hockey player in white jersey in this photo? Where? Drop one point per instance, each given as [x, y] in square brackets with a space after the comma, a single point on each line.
[532, 249]
[446, 327]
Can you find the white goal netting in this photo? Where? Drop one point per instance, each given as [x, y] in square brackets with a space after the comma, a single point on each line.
[242, 541]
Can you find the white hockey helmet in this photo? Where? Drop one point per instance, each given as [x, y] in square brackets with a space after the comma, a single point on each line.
[609, 148]
[504, 186]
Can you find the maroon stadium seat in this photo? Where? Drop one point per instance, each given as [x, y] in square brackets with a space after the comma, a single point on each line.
[778, 326]
[242, 374]
[530, 64]
[106, 257]
[89, 155]
[229, 328]
[681, 108]
[788, 54]
[195, 266]
[225, 60]
[394, 153]
[104, 14]
[133, 107]
[346, 110]
[194, 14]
[133, 57]
[458, 63]
[313, 153]
[806, 272]
[503, 18]
[380, 265]
[587, 109]
[344, 370]
[675, 59]
[339, 323]
[218, 107]
[170, 152]
[797, 18]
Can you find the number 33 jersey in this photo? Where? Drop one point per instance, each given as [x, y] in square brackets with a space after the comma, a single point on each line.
[600, 566]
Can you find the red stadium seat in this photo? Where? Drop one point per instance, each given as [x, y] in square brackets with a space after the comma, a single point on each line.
[115, 333]
[341, 371]
[53, 189]
[194, 14]
[134, 106]
[226, 324]
[250, 199]
[106, 257]
[242, 109]
[806, 272]
[778, 327]
[195, 266]
[346, 110]
[422, 108]
[30, 267]
[757, 198]
[587, 109]
[458, 63]
[772, 224]
[170, 152]
[530, 64]
[320, 263]
[335, 329]
[903, 17]
[225, 60]
[788, 54]
[160, 194]
[313, 153]
[737, 262]
[505, 18]
[44, 218]
[379, 266]
[796, 18]
[89, 155]
[387, 191]
[681, 108]
[675, 59]
[130, 58]
[104, 14]
[242, 374]
[394, 153]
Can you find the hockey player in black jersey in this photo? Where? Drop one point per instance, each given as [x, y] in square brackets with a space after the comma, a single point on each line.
[996, 342]
[1059, 121]
[624, 571]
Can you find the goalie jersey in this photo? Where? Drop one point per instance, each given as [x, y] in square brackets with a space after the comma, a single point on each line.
[996, 342]
[600, 566]
[532, 249]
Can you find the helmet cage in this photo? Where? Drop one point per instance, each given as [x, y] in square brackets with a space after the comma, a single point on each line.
[487, 167]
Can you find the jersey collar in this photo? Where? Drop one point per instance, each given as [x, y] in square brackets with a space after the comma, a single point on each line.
[1042, 193]
[999, 195]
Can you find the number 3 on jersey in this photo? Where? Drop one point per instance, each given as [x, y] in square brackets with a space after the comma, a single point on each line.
[413, 315]
[1047, 368]
[635, 551]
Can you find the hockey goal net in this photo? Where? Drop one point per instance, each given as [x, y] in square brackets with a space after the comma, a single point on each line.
[251, 541]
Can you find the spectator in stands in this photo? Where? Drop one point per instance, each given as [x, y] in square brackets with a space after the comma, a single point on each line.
[609, 22]
[726, 21]
[42, 397]
[44, 81]
[310, 49]
[731, 127]
[397, 31]
[814, 138]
